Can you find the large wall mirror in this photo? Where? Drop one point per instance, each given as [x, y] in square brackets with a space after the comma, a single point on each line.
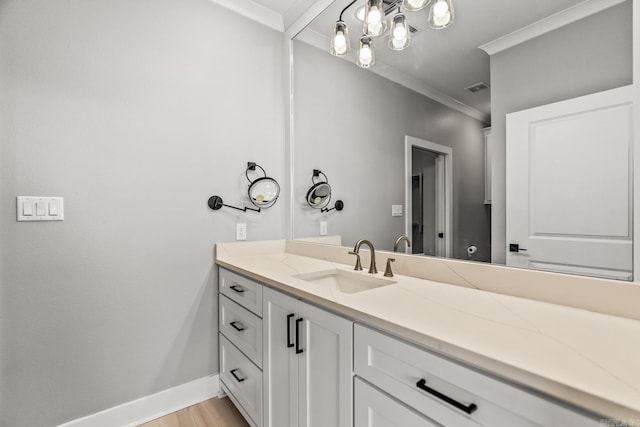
[505, 137]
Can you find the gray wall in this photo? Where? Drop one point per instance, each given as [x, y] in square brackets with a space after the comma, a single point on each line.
[588, 56]
[351, 123]
[135, 112]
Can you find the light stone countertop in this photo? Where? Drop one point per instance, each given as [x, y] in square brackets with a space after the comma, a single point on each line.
[589, 359]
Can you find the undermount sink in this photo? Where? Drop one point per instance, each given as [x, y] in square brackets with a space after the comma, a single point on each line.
[345, 281]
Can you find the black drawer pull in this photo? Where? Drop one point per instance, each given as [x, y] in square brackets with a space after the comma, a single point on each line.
[298, 349]
[289, 317]
[233, 372]
[237, 326]
[239, 289]
[422, 384]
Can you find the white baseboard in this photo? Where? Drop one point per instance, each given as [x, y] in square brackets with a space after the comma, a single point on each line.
[150, 407]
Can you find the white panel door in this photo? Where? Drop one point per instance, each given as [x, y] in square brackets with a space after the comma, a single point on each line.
[569, 186]
[325, 369]
[280, 364]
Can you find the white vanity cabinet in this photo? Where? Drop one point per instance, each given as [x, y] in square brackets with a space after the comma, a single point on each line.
[307, 364]
[443, 392]
[240, 340]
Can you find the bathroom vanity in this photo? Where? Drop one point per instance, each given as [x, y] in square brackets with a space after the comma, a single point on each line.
[305, 340]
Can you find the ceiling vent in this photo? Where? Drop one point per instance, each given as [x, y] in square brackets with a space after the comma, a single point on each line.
[477, 87]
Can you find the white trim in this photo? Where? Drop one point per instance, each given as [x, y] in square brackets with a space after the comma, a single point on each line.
[550, 23]
[305, 19]
[288, 133]
[445, 217]
[321, 41]
[636, 140]
[253, 11]
[150, 407]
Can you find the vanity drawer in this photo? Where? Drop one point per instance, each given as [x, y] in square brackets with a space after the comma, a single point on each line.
[372, 407]
[450, 393]
[245, 292]
[242, 328]
[242, 379]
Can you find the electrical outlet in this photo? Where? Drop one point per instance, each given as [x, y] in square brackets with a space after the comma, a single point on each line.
[323, 228]
[241, 231]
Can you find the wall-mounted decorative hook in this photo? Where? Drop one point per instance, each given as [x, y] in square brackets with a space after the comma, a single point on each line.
[263, 192]
[319, 195]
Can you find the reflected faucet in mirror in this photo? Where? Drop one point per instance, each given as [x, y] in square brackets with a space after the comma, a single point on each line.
[399, 240]
[356, 251]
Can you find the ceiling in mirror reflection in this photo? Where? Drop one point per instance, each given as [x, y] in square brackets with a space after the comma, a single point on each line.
[447, 60]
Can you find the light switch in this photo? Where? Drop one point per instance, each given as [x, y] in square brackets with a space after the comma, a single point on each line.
[29, 208]
[41, 208]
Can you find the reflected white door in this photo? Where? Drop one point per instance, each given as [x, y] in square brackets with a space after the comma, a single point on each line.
[569, 186]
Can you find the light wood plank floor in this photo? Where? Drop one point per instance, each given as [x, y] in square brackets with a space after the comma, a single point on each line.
[210, 413]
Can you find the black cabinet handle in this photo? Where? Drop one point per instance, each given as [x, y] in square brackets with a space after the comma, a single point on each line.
[298, 349]
[422, 384]
[289, 317]
[237, 288]
[236, 327]
[233, 372]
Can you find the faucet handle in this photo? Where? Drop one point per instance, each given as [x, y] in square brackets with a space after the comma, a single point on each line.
[387, 271]
[358, 266]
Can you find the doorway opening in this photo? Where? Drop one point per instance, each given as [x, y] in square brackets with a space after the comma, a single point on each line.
[428, 198]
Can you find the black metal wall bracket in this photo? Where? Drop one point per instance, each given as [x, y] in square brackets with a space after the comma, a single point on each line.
[216, 202]
[338, 206]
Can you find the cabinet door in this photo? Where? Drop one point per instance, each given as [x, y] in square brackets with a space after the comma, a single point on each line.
[325, 369]
[279, 360]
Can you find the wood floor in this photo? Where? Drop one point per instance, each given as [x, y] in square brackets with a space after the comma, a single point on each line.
[210, 413]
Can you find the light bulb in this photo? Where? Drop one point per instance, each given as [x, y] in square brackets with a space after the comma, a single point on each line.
[414, 5]
[399, 37]
[374, 23]
[340, 43]
[399, 32]
[441, 14]
[340, 40]
[440, 9]
[374, 18]
[366, 56]
[374, 15]
[360, 13]
[441, 21]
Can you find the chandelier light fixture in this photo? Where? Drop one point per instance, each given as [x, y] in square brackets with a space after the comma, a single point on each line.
[373, 13]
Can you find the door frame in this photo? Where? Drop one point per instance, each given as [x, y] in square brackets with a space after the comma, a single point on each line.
[444, 190]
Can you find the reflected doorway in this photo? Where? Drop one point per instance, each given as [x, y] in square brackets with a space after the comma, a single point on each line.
[424, 224]
[428, 197]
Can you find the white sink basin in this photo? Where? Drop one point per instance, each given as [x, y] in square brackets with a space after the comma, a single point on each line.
[345, 281]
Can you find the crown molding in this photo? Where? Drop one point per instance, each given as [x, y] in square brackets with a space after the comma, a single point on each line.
[321, 42]
[553, 22]
[253, 11]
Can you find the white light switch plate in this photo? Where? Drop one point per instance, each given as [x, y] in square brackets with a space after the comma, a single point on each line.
[396, 210]
[34, 208]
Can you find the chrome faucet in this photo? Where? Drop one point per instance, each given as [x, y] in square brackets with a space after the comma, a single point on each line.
[356, 251]
[400, 239]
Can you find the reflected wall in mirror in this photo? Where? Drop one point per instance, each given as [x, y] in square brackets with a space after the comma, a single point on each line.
[352, 123]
